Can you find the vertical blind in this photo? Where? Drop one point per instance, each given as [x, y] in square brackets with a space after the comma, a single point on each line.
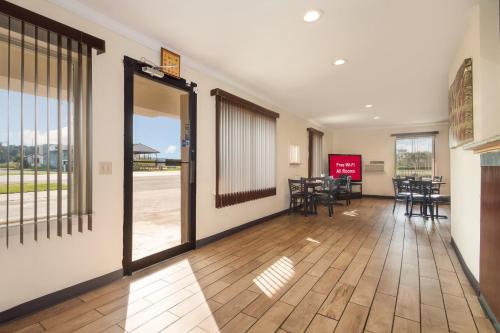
[415, 156]
[45, 131]
[246, 150]
[315, 153]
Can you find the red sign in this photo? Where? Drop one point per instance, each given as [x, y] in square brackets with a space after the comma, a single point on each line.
[340, 164]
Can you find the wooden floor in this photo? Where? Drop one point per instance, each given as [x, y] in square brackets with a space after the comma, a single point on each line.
[365, 270]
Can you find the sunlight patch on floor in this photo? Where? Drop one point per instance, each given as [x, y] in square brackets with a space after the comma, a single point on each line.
[274, 277]
[161, 312]
[312, 240]
[352, 213]
[162, 273]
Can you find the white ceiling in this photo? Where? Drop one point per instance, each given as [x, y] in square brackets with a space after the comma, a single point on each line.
[397, 51]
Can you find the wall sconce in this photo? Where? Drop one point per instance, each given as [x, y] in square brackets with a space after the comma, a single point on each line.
[294, 155]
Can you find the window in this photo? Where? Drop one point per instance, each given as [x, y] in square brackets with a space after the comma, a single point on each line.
[245, 150]
[415, 156]
[315, 152]
[45, 126]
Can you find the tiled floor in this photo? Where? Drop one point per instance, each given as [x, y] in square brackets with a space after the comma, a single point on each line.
[364, 270]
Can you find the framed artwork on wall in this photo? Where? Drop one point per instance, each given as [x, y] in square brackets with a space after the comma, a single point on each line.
[171, 63]
[460, 106]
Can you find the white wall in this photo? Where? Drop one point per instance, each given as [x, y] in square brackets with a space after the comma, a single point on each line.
[489, 69]
[36, 269]
[465, 166]
[481, 43]
[290, 130]
[377, 144]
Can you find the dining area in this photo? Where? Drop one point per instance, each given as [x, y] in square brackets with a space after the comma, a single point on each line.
[306, 194]
[420, 193]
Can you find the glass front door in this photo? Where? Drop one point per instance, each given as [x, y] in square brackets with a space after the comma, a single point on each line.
[160, 159]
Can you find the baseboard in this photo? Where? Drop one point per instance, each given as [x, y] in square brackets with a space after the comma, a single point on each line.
[374, 196]
[489, 313]
[475, 285]
[59, 296]
[472, 279]
[225, 233]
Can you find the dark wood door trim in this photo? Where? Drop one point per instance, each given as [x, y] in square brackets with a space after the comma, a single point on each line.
[134, 67]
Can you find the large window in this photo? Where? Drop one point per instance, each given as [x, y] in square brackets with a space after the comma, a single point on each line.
[315, 163]
[415, 156]
[45, 127]
[245, 150]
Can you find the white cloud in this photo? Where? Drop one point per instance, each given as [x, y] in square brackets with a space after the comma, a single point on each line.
[29, 136]
[171, 149]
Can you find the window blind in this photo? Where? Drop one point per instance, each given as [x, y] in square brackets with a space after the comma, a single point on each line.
[245, 150]
[414, 156]
[45, 129]
[315, 152]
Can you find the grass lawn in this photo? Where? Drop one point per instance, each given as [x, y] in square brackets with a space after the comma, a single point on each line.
[29, 187]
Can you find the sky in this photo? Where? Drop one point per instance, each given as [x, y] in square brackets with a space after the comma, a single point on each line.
[14, 125]
[160, 133]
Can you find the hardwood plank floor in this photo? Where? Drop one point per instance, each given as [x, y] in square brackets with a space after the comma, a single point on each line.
[364, 270]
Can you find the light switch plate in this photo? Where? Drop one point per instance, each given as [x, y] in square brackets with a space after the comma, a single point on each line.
[105, 168]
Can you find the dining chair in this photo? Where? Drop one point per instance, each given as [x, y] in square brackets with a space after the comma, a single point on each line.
[344, 190]
[312, 187]
[327, 195]
[400, 193]
[437, 199]
[436, 186]
[296, 188]
[420, 193]
[417, 196]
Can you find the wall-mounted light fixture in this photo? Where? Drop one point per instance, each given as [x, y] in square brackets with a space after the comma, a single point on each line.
[294, 155]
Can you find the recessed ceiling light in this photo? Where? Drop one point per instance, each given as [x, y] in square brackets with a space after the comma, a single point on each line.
[312, 15]
[376, 117]
[368, 106]
[339, 62]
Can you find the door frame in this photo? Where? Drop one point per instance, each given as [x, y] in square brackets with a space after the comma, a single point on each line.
[134, 67]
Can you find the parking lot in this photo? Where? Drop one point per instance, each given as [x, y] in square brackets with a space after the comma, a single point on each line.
[157, 209]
